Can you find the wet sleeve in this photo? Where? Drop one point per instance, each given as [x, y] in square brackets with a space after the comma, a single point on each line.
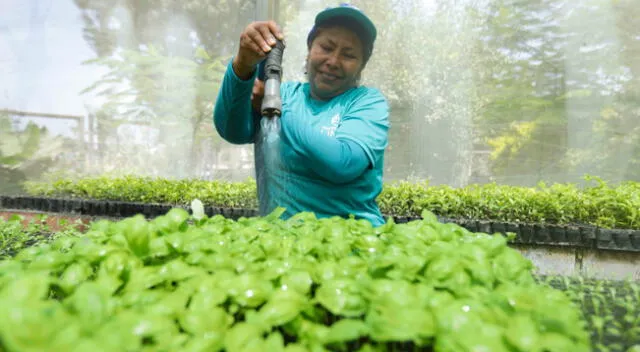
[359, 142]
[233, 117]
[337, 161]
[367, 125]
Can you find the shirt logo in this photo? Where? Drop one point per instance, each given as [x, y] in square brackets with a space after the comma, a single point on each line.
[331, 129]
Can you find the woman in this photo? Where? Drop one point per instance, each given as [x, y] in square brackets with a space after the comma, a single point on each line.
[330, 154]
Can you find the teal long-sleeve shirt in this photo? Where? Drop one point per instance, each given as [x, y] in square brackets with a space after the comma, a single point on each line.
[328, 157]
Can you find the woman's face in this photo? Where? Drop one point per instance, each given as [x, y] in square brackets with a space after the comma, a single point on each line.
[334, 62]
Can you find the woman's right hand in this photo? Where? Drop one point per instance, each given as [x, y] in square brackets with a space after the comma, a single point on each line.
[256, 41]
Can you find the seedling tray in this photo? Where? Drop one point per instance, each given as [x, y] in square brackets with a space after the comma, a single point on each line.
[575, 235]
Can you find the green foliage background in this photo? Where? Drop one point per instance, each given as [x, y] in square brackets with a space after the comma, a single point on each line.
[481, 91]
[26, 154]
[599, 203]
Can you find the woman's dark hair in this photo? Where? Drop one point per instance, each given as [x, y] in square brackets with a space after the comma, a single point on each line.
[367, 43]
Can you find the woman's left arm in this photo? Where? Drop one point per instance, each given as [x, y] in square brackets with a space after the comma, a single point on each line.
[358, 143]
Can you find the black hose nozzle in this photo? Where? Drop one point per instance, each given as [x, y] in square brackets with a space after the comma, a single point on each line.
[271, 102]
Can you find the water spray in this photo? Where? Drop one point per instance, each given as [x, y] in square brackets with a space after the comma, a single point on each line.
[271, 74]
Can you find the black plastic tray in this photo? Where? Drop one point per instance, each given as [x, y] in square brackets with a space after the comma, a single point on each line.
[577, 235]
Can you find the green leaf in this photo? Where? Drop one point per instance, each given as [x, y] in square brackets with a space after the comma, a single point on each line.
[299, 281]
[249, 290]
[206, 322]
[341, 297]
[74, 275]
[197, 209]
[29, 287]
[347, 330]
[282, 307]
[137, 232]
[522, 333]
[244, 337]
[91, 303]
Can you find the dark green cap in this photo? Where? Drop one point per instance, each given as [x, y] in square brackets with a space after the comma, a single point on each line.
[348, 15]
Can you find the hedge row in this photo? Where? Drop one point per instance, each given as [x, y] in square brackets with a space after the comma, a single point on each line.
[598, 203]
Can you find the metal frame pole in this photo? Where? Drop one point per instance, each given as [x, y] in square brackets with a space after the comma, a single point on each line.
[267, 10]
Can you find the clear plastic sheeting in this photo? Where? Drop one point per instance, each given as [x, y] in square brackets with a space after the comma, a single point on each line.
[514, 92]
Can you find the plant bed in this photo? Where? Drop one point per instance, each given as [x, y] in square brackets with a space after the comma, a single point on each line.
[608, 302]
[18, 232]
[610, 307]
[212, 283]
[598, 203]
[574, 235]
[108, 209]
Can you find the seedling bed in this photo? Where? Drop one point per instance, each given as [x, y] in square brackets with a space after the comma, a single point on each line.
[574, 236]
[610, 309]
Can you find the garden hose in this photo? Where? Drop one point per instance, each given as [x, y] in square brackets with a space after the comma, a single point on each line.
[272, 102]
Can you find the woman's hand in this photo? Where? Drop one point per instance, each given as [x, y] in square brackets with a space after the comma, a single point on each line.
[256, 42]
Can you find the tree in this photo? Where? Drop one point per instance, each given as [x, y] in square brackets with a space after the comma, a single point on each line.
[550, 77]
[112, 24]
[173, 94]
[164, 64]
[26, 154]
[617, 156]
[522, 83]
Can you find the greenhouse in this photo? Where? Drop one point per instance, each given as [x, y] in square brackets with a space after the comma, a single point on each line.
[312, 175]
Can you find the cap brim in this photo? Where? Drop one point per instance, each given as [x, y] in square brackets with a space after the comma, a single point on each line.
[354, 14]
